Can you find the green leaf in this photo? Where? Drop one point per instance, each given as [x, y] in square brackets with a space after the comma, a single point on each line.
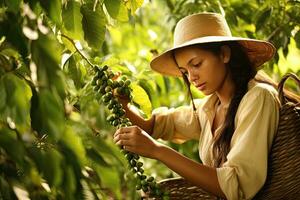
[76, 71]
[161, 83]
[109, 178]
[46, 54]
[49, 163]
[13, 5]
[96, 157]
[12, 146]
[263, 18]
[133, 5]
[69, 182]
[2, 97]
[47, 114]
[93, 23]
[108, 151]
[297, 38]
[116, 9]
[150, 87]
[74, 142]
[113, 7]
[71, 19]
[16, 97]
[5, 190]
[53, 9]
[141, 98]
[12, 30]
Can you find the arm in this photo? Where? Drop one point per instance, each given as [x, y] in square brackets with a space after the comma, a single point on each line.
[136, 140]
[136, 119]
[201, 175]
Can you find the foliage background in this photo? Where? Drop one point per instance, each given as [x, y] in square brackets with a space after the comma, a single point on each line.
[54, 140]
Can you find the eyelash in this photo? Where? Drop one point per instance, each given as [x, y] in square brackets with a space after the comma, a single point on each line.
[197, 65]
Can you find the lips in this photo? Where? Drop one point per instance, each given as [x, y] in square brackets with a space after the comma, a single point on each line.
[200, 86]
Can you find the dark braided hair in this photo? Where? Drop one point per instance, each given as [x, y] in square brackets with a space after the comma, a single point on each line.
[241, 72]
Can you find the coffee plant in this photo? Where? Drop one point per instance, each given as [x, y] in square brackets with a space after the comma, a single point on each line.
[107, 87]
[55, 142]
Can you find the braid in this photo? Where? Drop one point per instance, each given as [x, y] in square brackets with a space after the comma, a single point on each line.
[241, 72]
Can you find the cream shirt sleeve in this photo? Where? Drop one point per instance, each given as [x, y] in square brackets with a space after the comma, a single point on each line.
[245, 170]
[176, 124]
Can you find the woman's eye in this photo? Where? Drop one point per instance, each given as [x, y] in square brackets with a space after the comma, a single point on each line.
[197, 64]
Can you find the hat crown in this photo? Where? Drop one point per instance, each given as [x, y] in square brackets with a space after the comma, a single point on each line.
[200, 25]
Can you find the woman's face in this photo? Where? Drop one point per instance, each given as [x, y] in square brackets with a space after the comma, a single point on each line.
[206, 70]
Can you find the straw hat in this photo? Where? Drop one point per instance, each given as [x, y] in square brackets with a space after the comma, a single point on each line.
[205, 28]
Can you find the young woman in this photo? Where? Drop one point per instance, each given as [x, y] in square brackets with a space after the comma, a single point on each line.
[235, 124]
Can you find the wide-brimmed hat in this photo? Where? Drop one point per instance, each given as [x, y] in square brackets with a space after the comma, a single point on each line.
[206, 28]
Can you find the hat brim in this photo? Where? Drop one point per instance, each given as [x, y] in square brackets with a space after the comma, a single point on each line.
[258, 52]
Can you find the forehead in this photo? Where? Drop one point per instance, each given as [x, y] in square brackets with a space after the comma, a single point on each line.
[186, 55]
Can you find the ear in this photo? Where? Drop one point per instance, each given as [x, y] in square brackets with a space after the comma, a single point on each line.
[225, 53]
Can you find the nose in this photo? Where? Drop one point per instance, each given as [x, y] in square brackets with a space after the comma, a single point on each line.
[193, 76]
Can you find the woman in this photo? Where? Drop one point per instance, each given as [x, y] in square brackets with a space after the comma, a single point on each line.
[235, 124]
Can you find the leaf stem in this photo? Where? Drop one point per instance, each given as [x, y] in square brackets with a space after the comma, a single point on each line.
[73, 43]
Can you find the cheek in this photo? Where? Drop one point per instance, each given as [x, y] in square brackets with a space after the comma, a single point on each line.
[216, 75]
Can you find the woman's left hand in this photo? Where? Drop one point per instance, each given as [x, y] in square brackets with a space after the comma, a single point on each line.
[136, 140]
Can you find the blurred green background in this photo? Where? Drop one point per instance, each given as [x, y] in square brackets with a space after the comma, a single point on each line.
[55, 142]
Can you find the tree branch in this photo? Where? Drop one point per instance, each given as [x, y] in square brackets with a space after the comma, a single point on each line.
[73, 43]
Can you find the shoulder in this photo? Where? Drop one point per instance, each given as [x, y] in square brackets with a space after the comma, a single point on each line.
[260, 91]
[259, 97]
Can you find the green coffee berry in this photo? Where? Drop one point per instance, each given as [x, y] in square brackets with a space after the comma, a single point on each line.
[102, 89]
[111, 117]
[134, 155]
[115, 122]
[105, 68]
[145, 188]
[142, 177]
[96, 88]
[94, 81]
[139, 164]
[141, 170]
[108, 89]
[124, 78]
[121, 83]
[127, 82]
[133, 163]
[138, 186]
[150, 179]
[99, 82]
[129, 156]
[109, 82]
[110, 106]
[99, 74]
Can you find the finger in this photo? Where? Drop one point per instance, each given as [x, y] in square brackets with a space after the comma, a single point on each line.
[121, 131]
[123, 143]
[121, 136]
[128, 148]
[128, 129]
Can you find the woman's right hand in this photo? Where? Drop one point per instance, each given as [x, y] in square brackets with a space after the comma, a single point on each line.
[136, 140]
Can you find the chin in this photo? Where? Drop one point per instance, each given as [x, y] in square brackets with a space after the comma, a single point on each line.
[207, 92]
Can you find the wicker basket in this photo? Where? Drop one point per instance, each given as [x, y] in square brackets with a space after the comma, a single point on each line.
[283, 178]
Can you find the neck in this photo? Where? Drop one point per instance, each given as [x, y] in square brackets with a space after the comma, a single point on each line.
[226, 91]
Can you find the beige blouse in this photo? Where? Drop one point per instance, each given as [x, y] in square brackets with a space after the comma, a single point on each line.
[256, 121]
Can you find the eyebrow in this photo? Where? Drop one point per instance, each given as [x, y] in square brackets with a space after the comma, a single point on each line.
[189, 63]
